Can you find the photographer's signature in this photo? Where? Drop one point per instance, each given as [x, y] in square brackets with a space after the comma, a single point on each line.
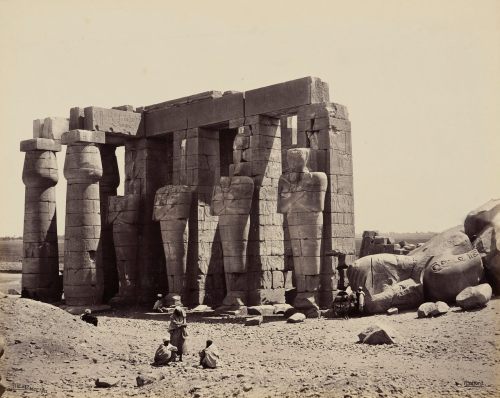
[26, 387]
[473, 383]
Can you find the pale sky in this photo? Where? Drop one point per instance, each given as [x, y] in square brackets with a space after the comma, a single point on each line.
[421, 80]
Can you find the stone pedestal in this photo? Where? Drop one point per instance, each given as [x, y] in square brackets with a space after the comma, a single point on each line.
[123, 216]
[301, 199]
[83, 278]
[172, 207]
[40, 277]
[232, 201]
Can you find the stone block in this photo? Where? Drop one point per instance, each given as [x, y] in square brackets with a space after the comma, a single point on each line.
[161, 121]
[84, 136]
[287, 96]
[216, 110]
[40, 144]
[113, 121]
[50, 127]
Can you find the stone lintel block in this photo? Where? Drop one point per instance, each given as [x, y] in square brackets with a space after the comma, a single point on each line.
[113, 121]
[40, 144]
[76, 136]
[50, 127]
[214, 111]
[286, 97]
[185, 100]
[166, 120]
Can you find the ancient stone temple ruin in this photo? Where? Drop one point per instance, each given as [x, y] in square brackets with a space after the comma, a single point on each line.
[229, 199]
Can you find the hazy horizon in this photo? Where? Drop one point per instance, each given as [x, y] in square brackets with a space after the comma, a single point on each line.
[421, 80]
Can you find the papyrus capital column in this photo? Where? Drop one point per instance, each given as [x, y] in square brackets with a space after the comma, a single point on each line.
[40, 277]
[83, 278]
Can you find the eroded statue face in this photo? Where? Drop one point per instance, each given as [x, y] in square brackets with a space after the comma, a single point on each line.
[297, 159]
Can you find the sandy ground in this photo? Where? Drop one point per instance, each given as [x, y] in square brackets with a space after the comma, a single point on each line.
[52, 353]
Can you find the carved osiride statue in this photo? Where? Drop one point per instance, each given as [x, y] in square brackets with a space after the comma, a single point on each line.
[301, 199]
[231, 201]
[171, 209]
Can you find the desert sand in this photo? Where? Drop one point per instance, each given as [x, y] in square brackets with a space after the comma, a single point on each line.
[53, 353]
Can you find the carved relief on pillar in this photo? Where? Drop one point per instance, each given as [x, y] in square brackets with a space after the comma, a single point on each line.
[171, 209]
[83, 277]
[232, 201]
[301, 199]
[40, 272]
[123, 216]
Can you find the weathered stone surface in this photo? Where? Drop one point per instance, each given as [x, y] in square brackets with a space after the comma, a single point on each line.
[254, 321]
[231, 201]
[285, 96]
[487, 243]
[112, 121]
[441, 309]
[377, 334]
[389, 281]
[50, 127]
[172, 209]
[282, 308]
[301, 199]
[83, 278]
[40, 251]
[392, 311]
[448, 275]
[426, 310]
[83, 136]
[474, 297]
[486, 215]
[296, 318]
[40, 144]
[265, 310]
[123, 214]
[453, 241]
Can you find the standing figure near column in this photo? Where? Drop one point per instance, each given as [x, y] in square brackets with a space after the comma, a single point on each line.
[123, 215]
[231, 201]
[172, 206]
[301, 199]
[40, 278]
[83, 278]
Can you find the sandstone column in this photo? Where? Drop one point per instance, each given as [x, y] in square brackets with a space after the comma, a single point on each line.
[40, 277]
[232, 201]
[301, 199]
[123, 216]
[83, 277]
[107, 187]
[172, 207]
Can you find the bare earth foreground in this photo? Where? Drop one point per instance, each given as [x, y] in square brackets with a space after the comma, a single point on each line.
[52, 353]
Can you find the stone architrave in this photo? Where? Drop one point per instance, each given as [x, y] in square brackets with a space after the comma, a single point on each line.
[171, 209]
[232, 201]
[83, 278]
[40, 272]
[123, 215]
[301, 198]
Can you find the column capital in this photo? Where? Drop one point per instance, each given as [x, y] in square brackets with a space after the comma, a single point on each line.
[40, 144]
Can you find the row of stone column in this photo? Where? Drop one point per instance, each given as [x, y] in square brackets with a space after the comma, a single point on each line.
[83, 277]
[301, 199]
